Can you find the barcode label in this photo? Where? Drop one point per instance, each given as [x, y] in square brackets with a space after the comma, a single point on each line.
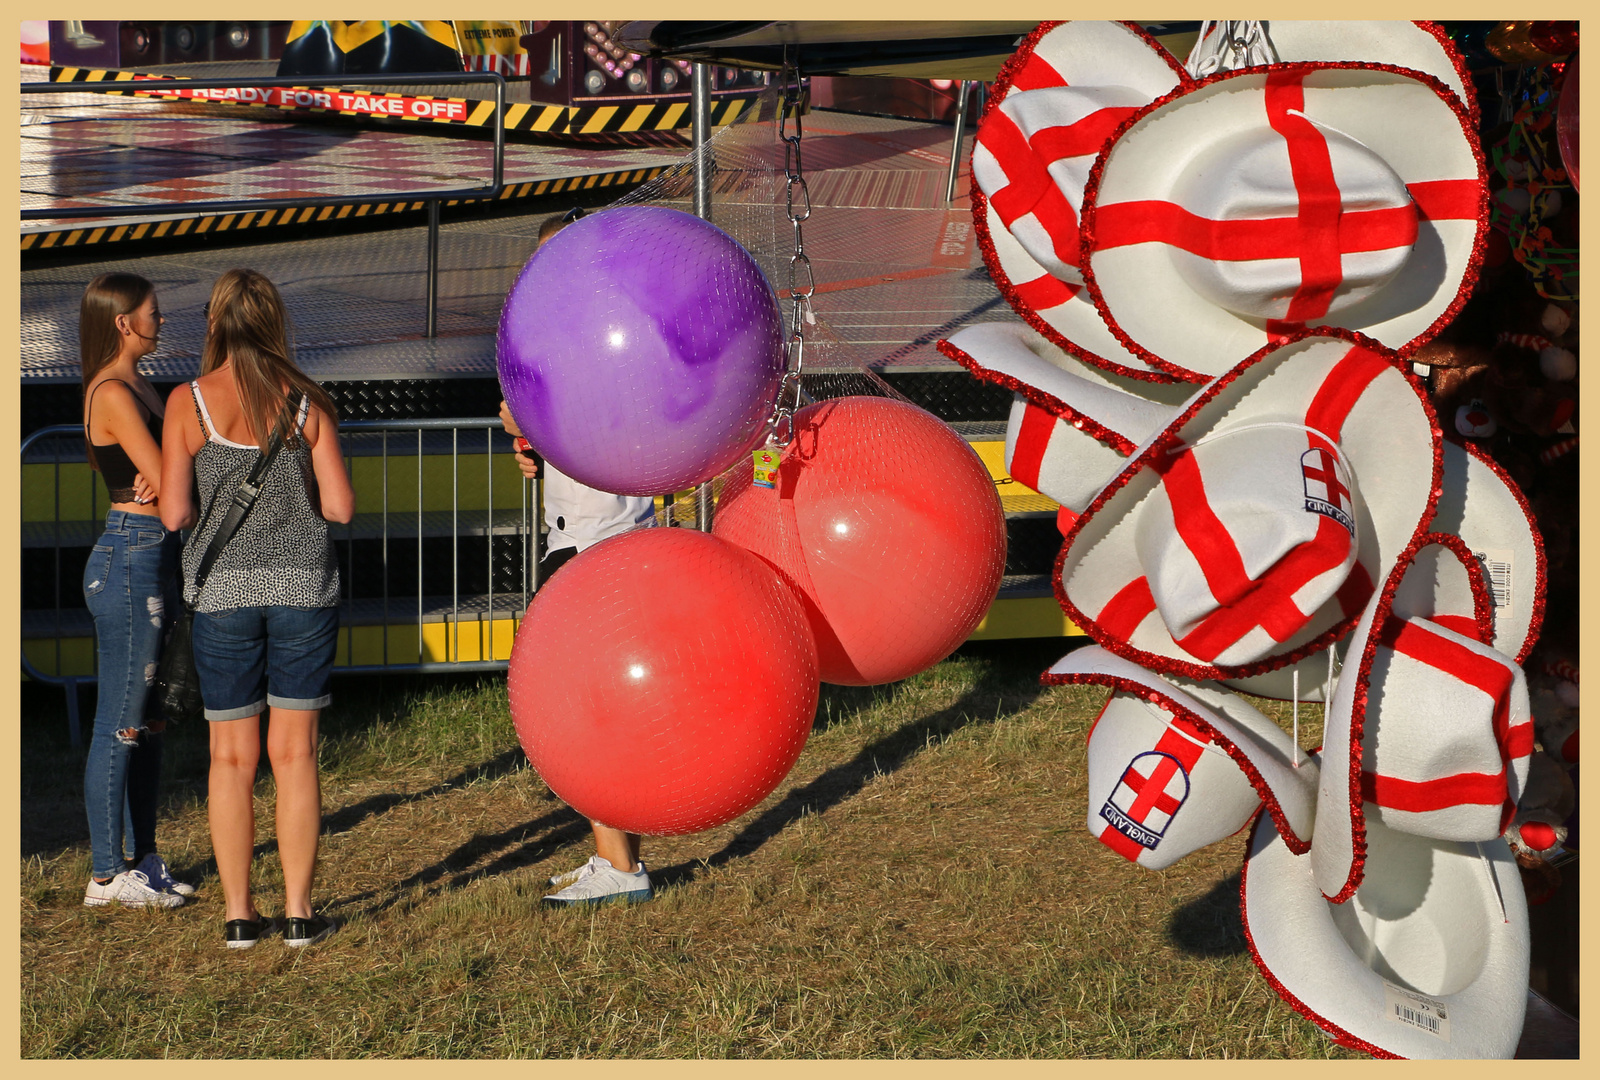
[1416, 1010]
[1497, 567]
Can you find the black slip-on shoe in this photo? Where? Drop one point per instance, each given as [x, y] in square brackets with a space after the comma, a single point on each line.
[244, 933]
[298, 933]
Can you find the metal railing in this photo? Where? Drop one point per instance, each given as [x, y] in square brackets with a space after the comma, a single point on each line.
[425, 489]
[222, 206]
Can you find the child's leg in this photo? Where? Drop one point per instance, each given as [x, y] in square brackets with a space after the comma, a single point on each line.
[620, 849]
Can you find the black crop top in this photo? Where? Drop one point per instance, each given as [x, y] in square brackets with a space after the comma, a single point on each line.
[113, 460]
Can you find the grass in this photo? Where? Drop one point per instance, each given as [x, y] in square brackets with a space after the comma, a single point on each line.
[922, 885]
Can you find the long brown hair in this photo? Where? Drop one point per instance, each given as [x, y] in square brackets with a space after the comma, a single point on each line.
[107, 296]
[99, 341]
[250, 327]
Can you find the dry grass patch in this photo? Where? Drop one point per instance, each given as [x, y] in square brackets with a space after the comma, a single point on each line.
[921, 885]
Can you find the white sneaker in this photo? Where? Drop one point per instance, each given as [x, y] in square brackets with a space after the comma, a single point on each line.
[131, 888]
[561, 881]
[598, 882]
[154, 868]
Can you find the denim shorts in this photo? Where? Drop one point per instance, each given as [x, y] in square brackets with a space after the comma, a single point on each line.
[252, 657]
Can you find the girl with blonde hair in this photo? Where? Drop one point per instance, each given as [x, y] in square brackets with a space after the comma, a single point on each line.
[266, 616]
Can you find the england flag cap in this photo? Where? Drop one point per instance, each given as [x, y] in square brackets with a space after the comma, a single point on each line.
[1250, 533]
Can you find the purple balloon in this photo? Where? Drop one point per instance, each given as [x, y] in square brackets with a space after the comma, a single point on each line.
[640, 350]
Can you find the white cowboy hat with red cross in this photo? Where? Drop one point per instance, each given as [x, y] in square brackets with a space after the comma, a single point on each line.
[1480, 504]
[1251, 531]
[1072, 425]
[1430, 729]
[1176, 766]
[1429, 958]
[1054, 104]
[1263, 201]
[1053, 107]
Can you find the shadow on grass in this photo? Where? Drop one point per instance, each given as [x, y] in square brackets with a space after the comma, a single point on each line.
[1210, 925]
[996, 696]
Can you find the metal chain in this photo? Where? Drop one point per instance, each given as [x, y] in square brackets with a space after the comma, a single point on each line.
[797, 203]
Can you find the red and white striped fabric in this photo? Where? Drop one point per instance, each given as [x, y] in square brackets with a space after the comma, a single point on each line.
[1249, 533]
[1174, 767]
[1055, 103]
[1430, 729]
[1263, 201]
[1072, 425]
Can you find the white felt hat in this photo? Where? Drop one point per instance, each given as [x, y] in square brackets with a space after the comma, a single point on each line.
[1429, 959]
[1420, 46]
[1175, 766]
[1429, 729]
[1265, 200]
[1072, 425]
[1251, 531]
[1479, 503]
[1054, 103]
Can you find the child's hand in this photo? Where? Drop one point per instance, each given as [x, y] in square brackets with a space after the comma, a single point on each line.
[527, 460]
[507, 422]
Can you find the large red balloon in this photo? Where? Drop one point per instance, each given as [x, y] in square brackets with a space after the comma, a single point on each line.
[664, 682]
[887, 524]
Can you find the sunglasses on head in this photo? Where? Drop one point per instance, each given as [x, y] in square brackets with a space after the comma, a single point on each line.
[573, 215]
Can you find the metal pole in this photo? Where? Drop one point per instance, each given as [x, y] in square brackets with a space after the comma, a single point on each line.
[955, 147]
[700, 88]
[700, 132]
[433, 267]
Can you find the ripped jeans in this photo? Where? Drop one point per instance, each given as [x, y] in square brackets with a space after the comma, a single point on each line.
[130, 585]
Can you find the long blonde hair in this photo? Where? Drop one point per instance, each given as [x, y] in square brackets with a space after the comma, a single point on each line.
[249, 326]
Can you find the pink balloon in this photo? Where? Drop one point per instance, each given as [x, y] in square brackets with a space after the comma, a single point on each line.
[1567, 123]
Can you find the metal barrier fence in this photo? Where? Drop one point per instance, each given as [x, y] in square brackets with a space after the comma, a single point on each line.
[436, 568]
[151, 90]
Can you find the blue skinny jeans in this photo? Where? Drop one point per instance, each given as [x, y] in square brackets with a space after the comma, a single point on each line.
[130, 585]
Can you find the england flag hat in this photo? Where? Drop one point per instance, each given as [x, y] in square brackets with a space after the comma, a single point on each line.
[1258, 202]
[1072, 425]
[1054, 104]
[1430, 729]
[1251, 531]
[1176, 766]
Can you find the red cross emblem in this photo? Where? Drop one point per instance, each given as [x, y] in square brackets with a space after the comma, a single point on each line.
[1152, 788]
[1326, 493]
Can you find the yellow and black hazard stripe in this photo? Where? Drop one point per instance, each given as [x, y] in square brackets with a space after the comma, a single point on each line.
[191, 228]
[533, 119]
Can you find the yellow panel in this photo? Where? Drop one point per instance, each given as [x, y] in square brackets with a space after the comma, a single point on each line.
[471, 490]
[673, 118]
[77, 489]
[1039, 616]
[77, 655]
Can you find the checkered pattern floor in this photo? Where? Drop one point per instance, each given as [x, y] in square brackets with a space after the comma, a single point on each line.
[890, 282]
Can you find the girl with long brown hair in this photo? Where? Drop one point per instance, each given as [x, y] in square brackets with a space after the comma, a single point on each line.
[129, 586]
[266, 619]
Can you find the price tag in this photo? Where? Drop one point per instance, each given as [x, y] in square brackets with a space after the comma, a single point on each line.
[1416, 1010]
[766, 464]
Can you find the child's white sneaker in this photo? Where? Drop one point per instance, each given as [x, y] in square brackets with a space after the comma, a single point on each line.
[598, 882]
